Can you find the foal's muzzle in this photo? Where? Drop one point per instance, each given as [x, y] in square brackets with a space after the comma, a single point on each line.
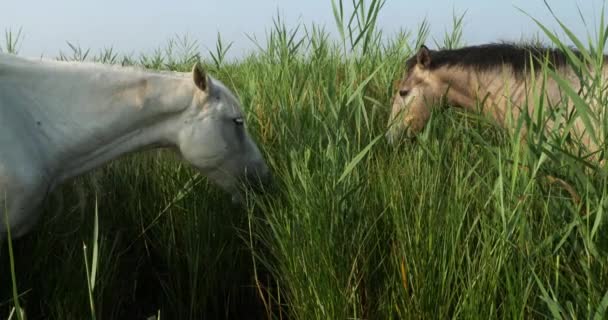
[399, 135]
[394, 135]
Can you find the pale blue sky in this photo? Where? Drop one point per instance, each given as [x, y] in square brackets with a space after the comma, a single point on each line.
[134, 26]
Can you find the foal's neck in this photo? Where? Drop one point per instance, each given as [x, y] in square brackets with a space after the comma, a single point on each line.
[460, 86]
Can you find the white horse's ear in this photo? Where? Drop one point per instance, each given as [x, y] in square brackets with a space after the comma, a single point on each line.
[201, 80]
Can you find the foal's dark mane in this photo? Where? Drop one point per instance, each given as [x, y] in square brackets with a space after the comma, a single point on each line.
[490, 56]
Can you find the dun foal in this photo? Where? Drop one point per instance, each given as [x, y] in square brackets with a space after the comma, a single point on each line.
[496, 79]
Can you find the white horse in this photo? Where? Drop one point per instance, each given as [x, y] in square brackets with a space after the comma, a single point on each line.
[59, 120]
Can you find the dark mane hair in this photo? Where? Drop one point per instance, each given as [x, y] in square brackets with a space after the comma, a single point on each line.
[490, 56]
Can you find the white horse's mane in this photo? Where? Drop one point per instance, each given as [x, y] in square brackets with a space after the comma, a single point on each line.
[10, 60]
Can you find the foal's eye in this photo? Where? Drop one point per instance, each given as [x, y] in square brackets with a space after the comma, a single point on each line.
[404, 92]
[238, 121]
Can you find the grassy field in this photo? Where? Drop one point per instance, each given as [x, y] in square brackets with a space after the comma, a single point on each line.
[445, 226]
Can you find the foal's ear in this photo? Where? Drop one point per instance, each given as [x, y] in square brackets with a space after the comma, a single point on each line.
[423, 57]
[201, 80]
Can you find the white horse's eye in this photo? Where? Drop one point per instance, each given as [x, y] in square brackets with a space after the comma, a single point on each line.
[238, 121]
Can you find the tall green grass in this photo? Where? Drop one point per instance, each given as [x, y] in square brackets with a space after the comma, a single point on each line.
[447, 226]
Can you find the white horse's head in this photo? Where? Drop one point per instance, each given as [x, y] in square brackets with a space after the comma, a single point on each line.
[215, 140]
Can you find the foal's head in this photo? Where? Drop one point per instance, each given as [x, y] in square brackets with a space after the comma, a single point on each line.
[418, 90]
[214, 137]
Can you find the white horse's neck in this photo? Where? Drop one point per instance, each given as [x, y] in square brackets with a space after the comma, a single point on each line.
[84, 115]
